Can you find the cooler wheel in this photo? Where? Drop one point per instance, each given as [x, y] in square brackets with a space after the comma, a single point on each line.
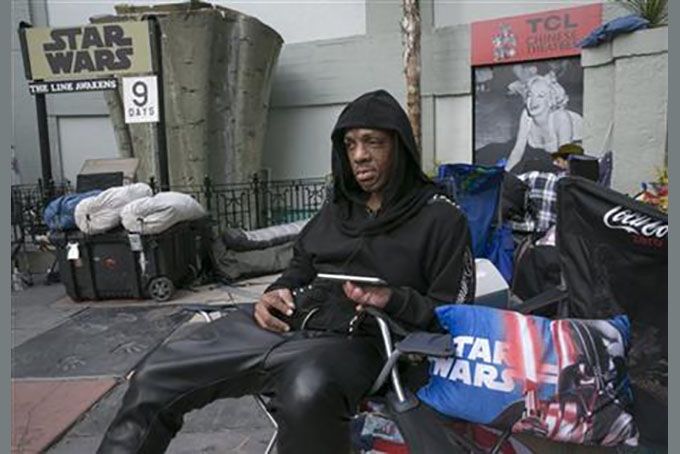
[161, 288]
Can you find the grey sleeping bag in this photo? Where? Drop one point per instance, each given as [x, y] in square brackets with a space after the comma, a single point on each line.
[239, 253]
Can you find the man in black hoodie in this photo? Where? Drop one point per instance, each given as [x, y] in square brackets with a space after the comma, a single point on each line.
[385, 219]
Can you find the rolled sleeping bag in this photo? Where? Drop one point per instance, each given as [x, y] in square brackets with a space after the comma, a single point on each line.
[102, 213]
[237, 239]
[242, 253]
[151, 215]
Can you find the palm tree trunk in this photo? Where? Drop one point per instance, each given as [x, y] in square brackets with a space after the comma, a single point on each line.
[411, 39]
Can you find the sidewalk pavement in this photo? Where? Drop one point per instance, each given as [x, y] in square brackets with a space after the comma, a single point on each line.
[70, 360]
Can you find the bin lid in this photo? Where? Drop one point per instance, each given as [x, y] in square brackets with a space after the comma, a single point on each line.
[126, 165]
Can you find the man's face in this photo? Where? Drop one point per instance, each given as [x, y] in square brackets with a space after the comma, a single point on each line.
[562, 163]
[370, 154]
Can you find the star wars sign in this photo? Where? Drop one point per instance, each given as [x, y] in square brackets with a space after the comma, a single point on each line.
[86, 51]
[140, 99]
[550, 34]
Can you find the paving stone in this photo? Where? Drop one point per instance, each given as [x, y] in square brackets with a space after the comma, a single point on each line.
[96, 342]
[43, 410]
[224, 426]
[34, 311]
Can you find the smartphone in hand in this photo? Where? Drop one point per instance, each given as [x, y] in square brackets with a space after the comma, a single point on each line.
[359, 280]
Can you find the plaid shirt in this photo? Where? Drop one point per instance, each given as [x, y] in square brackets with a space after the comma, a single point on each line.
[543, 197]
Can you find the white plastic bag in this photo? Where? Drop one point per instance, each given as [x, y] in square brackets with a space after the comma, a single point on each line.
[101, 213]
[155, 214]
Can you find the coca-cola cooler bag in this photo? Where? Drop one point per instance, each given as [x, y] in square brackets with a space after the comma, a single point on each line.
[564, 380]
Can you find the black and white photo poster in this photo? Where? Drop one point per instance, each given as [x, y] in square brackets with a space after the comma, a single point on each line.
[523, 112]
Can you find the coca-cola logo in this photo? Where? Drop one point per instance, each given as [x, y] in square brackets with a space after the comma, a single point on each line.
[635, 223]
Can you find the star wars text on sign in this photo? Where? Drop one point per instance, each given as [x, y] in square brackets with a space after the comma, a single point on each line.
[85, 51]
[69, 52]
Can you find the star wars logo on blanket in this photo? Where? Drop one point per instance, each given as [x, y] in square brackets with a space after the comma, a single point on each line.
[484, 363]
[479, 362]
[88, 50]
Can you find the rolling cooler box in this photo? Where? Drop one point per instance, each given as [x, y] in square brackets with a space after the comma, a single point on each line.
[118, 264]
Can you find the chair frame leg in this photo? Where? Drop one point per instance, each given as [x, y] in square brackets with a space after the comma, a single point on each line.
[502, 439]
[272, 441]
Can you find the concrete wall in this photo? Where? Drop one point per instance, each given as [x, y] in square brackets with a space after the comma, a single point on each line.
[298, 142]
[333, 72]
[626, 88]
[453, 121]
[74, 144]
[24, 128]
[295, 21]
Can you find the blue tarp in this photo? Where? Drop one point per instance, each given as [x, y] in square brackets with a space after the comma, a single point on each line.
[606, 32]
[60, 213]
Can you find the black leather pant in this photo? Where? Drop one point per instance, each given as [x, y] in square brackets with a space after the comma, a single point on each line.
[316, 381]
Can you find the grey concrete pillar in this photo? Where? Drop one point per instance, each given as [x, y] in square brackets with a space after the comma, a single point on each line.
[626, 89]
[217, 72]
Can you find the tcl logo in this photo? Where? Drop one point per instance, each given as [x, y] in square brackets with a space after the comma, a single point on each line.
[635, 223]
[551, 23]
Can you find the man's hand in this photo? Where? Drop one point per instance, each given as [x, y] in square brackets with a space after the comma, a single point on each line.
[367, 295]
[277, 300]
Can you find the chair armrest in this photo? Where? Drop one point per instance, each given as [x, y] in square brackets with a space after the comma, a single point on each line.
[427, 344]
[553, 296]
[422, 343]
[394, 326]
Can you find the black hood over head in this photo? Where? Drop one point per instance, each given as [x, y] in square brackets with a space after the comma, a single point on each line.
[407, 189]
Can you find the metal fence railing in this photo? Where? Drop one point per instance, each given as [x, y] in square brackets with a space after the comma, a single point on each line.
[28, 204]
[259, 203]
[255, 204]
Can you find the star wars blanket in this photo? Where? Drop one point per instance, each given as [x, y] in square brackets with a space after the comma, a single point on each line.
[564, 380]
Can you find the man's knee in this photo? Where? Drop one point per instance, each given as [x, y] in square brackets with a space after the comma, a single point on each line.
[149, 374]
[310, 390]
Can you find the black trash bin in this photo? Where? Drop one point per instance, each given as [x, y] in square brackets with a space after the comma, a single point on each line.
[118, 264]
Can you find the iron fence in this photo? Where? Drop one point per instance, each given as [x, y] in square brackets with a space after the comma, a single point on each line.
[258, 203]
[28, 204]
